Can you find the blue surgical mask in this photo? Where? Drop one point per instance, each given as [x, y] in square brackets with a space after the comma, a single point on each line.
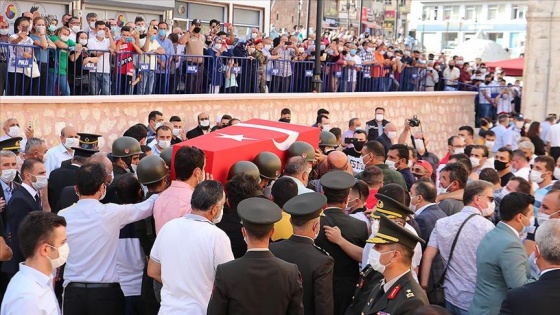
[153, 37]
[352, 51]
[162, 32]
[129, 39]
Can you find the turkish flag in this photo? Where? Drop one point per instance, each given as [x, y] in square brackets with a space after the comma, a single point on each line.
[243, 141]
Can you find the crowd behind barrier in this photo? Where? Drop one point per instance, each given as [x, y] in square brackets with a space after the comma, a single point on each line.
[32, 70]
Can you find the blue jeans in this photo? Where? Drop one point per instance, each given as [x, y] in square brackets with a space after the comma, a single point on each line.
[146, 84]
[63, 86]
[99, 81]
[455, 310]
[484, 110]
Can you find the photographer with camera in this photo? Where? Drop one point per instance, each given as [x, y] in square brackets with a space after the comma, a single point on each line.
[431, 77]
[418, 140]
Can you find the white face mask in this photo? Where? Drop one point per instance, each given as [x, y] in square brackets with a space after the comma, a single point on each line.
[326, 127]
[536, 177]
[519, 124]
[267, 47]
[83, 42]
[14, 131]
[104, 193]
[4, 31]
[217, 46]
[205, 123]
[557, 173]
[41, 181]
[409, 164]
[71, 142]
[176, 132]
[442, 190]
[504, 192]
[458, 150]
[375, 263]
[218, 218]
[8, 175]
[92, 25]
[63, 252]
[419, 144]
[379, 117]
[489, 210]
[158, 124]
[489, 144]
[392, 135]
[475, 161]
[64, 38]
[543, 217]
[164, 144]
[391, 165]
[75, 28]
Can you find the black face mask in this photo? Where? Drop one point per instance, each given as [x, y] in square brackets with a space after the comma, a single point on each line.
[499, 165]
[358, 145]
[451, 67]
[197, 29]
[487, 82]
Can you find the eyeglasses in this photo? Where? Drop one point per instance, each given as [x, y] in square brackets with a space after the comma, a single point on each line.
[491, 199]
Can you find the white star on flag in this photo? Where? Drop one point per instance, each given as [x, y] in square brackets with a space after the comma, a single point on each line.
[234, 137]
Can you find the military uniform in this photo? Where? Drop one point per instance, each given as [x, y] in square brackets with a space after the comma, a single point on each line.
[257, 283]
[346, 269]
[402, 295]
[314, 264]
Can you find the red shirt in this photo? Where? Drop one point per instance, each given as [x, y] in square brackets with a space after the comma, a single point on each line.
[371, 201]
[125, 60]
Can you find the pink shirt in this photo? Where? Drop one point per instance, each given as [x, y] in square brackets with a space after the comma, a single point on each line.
[174, 202]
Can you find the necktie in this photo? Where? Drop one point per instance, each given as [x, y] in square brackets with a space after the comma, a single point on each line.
[38, 199]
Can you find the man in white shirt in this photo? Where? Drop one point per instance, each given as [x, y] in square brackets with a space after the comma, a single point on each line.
[520, 164]
[451, 76]
[353, 64]
[504, 136]
[68, 139]
[91, 279]
[162, 140]
[44, 247]
[553, 141]
[101, 47]
[188, 271]
[297, 168]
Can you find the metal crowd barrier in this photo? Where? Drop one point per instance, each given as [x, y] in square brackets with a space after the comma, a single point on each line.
[31, 70]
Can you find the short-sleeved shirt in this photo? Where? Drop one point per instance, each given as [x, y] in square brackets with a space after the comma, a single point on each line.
[16, 52]
[358, 61]
[62, 55]
[188, 268]
[96, 45]
[125, 59]
[553, 135]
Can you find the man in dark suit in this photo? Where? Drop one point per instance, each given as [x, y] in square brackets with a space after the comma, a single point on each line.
[386, 138]
[336, 187]
[540, 297]
[398, 292]
[423, 201]
[315, 265]
[257, 283]
[66, 174]
[23, 201]
[202, 128]
[374, 127]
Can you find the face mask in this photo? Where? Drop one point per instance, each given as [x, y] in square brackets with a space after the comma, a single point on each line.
[64, 38]
[129, 40]
[197, 29]
[71, 142]
[205, 123]
[489, 144]
[370, 49]
[8, 175]
[391, 165]
[419, 143]
[83, 42]
[504, 192]
[75, 28]
[63, 252]
[536, 177]
[489, 210]
[92, 25]
[330, 52]
[557, 173]
[114, 29]
[458, 150]
[41, 181]
[101, 33]
[267, 46]
[164, 144]
[217, 46]
[162, 33]
[4, 31]
[519, 124]
[379, 117]
[153, 37]
[389, 54]
[352, 51]
[475, 161]
[323, 47]
[254, 35]
[409, 164]
[543, 217]
[442, 190]
[218, 218]
[112, 177]
[134, 168]
[14, 131]
[451, 67]
[392, 135]
[176, 132]
[41, 29]
[326, 127]
[377, 265]
[526, 228]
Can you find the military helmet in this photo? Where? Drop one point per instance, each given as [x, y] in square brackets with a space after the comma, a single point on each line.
[303, 149]
[269, 164]
[327, 139]
[125, 146]
[151, 169]
[166, 155]
[246, 167]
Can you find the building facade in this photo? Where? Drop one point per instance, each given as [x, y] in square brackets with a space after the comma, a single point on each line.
[442, 25]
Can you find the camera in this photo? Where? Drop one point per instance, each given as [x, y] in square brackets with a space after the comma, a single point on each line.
[348, 140]
[414, 121]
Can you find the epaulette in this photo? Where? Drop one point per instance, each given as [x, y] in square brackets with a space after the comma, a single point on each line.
[321, 250]
[409, 294]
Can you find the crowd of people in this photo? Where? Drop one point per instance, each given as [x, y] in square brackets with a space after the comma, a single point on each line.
[369, 221]
[97, 57]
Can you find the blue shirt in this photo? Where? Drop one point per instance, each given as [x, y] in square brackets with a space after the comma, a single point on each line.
[167, 45]
[7, 191]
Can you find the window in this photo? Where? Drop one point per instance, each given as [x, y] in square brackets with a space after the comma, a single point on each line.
[496, 12]
[245, 19]
[388, 2]
[451, 12]
[450, 40]
[518, 11]
[429, 13]
[497, 37]
[472, 12]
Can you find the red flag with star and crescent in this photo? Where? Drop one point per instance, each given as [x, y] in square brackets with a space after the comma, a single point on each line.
[243, 141]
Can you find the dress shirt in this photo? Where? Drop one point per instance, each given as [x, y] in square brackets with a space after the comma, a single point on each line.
[387, 286]
[553, 135]
[547, 270]
[173, 203]
[419, 211]
[55, 156]
[93, 234]
[523, 173]
[300, 187]
[8, 190]
[460, 279]
[188, 271]
[30, 292]
[504, 137]
[30, 189]
[511, 228]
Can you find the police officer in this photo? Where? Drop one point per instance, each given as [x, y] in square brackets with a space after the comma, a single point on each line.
[258, 282]
[398, 292]
[336, 187]
[315, 264]
[126, 155]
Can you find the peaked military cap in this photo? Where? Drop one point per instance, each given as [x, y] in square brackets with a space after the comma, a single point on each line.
[80, 151]
[259, 214]
[89, 140]
[391, 208]
[392, 233]
[306, 206]
[11, 144]
[337, 180]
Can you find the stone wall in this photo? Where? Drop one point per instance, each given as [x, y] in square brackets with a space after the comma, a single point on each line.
[441, 113]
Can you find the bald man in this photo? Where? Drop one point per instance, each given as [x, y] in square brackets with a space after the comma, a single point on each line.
[62, 152]
[202, 128]
[388, 137]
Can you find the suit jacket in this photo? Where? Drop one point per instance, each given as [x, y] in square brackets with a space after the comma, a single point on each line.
[502, 265]
[373, 130]
[539, 297]
[195, 132]
[67, 198]
[346, 270]
[385, 141]
[59, 178]
[427, 221]
[257, 283]
[316, 268]
[403, 298]
[19, 206]
[3, 218]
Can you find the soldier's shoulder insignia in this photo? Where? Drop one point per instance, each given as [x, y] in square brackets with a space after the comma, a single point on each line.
[321, 250]
[394, 292]
[409, 294]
